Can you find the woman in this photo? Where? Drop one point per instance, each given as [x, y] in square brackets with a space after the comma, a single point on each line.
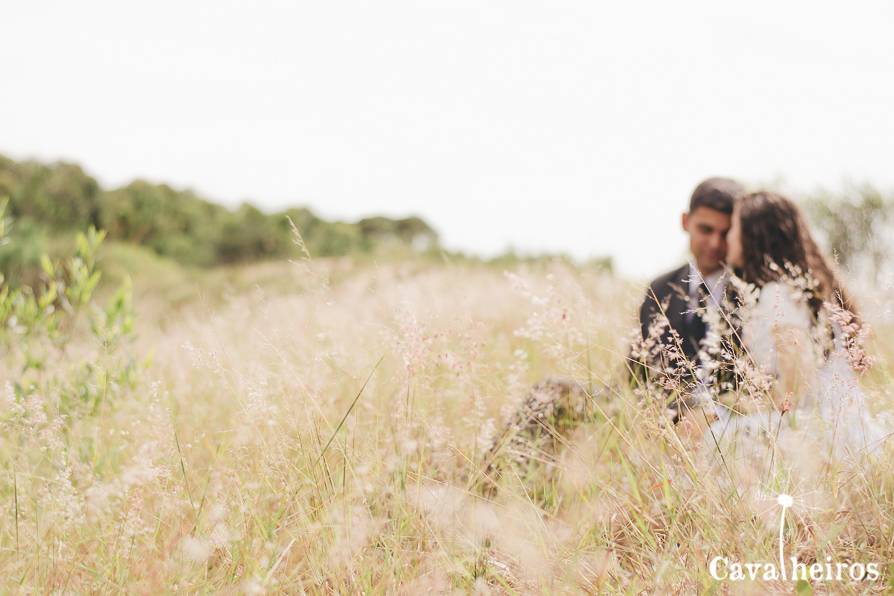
[799, 347]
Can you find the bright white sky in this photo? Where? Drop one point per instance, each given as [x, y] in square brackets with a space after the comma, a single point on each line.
[574, 126]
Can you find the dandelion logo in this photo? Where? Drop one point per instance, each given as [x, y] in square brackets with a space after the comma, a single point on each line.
[721, 568]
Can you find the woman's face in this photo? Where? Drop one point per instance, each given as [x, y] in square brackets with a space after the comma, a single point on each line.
[734, 240]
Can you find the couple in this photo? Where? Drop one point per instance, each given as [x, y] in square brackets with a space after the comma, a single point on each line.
[756, 339]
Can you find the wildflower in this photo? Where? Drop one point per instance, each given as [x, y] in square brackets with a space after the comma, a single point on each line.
[853, 336]
[219, 536]
[786, 404]
[195, 549]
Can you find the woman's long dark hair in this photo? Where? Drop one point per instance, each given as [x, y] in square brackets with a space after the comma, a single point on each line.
[775, 237]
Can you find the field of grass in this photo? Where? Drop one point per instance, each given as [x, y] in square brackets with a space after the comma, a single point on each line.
[316, 427]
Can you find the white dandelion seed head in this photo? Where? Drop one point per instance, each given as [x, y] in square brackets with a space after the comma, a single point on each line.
[785, 501]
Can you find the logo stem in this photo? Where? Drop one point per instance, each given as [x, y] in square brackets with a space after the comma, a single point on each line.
[781, 544]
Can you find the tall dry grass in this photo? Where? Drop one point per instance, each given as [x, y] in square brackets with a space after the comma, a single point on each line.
[321, 438]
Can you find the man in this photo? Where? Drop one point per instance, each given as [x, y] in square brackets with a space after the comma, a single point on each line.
[671, 322]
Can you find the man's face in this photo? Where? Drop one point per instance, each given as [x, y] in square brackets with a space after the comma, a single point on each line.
[707, 230]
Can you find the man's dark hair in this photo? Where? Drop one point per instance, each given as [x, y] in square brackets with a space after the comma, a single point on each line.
[716, 193]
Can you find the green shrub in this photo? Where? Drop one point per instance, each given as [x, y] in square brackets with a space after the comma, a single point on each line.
[175, 224]
[178, 224]
[38, 321]
[59, 195]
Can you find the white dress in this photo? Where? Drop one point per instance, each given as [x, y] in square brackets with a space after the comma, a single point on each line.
[831, 418]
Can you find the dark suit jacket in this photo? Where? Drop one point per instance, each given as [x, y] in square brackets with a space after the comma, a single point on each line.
[672, 290]
[668, 296]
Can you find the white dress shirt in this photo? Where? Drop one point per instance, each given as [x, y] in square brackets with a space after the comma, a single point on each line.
[715, 282]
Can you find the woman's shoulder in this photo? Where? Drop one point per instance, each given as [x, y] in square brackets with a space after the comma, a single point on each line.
[782, 304]
[775, 292]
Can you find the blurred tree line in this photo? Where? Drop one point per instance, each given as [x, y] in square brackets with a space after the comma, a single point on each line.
[857, 227]
[48, 199]
[50, 202]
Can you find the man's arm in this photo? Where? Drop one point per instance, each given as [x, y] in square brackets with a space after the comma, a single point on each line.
[647, 310]
[637, 368]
